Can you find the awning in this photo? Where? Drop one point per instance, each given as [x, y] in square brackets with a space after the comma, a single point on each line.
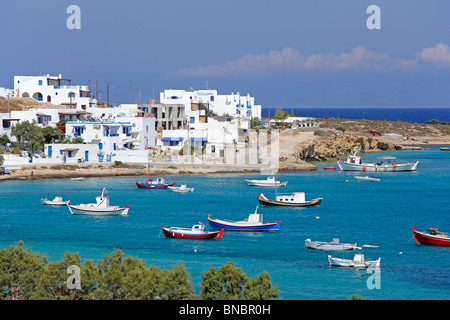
[78, 125]
[201, 139]
[111, 124]
[172, 139]
[70, 149]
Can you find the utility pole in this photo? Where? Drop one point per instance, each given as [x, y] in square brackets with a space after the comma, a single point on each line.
[107, 94]
[129, 91]
[96, 90]
[139, 90]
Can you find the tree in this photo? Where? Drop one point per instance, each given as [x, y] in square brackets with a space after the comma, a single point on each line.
[254, 122]
[231, 283]
[20, 271]
[261, 288]
[4, 139]
[27, 131]
[433, 121]
[52, 134]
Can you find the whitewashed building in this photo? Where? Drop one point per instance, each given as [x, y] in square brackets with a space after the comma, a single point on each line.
[233, 104]
[4, 93]
[55, 90]
[124, 133]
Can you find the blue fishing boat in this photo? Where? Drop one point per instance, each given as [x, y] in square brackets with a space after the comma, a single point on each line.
[254, 222]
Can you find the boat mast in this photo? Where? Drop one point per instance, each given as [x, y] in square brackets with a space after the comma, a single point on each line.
[276, 179]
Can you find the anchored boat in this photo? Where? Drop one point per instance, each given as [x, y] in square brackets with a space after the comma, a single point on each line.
[254, 222]
[197, 232]
[433, 237]
[359, 260]
[271, 181]
[295, 199]
[355, 163]
[57, 201]
[159, 183]
[366, 178]
[182, 189]
[100, 208]
[333, 245]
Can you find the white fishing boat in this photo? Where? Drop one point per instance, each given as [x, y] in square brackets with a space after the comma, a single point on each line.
[295, 199]
[366, 178]
[359, 260]
[254, 222]
[57, 201]
[271, 181]
[355, 163]
[333, 245]
[100, 208]
[78, 179]
[182, 189]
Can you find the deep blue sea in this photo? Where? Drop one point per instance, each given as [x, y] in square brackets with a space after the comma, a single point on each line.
[419, 115]
[377, 213]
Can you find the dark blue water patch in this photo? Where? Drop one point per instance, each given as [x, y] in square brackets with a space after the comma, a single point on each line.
[414, 115]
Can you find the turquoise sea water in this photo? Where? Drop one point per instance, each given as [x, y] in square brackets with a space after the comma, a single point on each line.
[378, 213]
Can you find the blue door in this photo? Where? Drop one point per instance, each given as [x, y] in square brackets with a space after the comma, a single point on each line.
[49, 151]
[86, 156]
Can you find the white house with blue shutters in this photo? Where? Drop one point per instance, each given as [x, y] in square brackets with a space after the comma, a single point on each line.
[123, 133]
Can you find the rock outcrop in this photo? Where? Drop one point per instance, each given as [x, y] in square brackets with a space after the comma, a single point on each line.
[332, 147]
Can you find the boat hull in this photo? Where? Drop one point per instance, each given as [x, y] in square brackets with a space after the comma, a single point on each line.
[262, 183]
[187, 234]
[243, 226]
[360, 178]
[153, 186]
[55, 204]
[338, 262]
[328, 246]
[114, 211]
[436, 240]
[180, 190]
[264, 201]
[372, 167]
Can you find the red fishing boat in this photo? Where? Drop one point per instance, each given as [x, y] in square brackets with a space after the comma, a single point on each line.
[433, 237]
[197, 232]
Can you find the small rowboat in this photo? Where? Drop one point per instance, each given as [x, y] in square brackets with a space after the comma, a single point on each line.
[197, 232]
[57, 201]
[182, 189]
[271, 181]
[253, 223]
[334, 245]
[366, 178]
[329, 168]
[434, 237]
[101, 208]
[296, 199]
[151, 184]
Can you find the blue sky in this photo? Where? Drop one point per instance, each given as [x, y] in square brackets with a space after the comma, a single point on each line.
[285, 53]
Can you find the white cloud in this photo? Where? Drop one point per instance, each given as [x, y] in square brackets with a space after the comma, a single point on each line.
[439, 55]
[290, 60]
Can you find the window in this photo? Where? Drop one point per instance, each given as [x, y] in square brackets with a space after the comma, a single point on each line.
[40, 82]
[71, 94]
[192, 120]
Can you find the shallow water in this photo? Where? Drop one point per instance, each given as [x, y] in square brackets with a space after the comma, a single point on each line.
[378, 213]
